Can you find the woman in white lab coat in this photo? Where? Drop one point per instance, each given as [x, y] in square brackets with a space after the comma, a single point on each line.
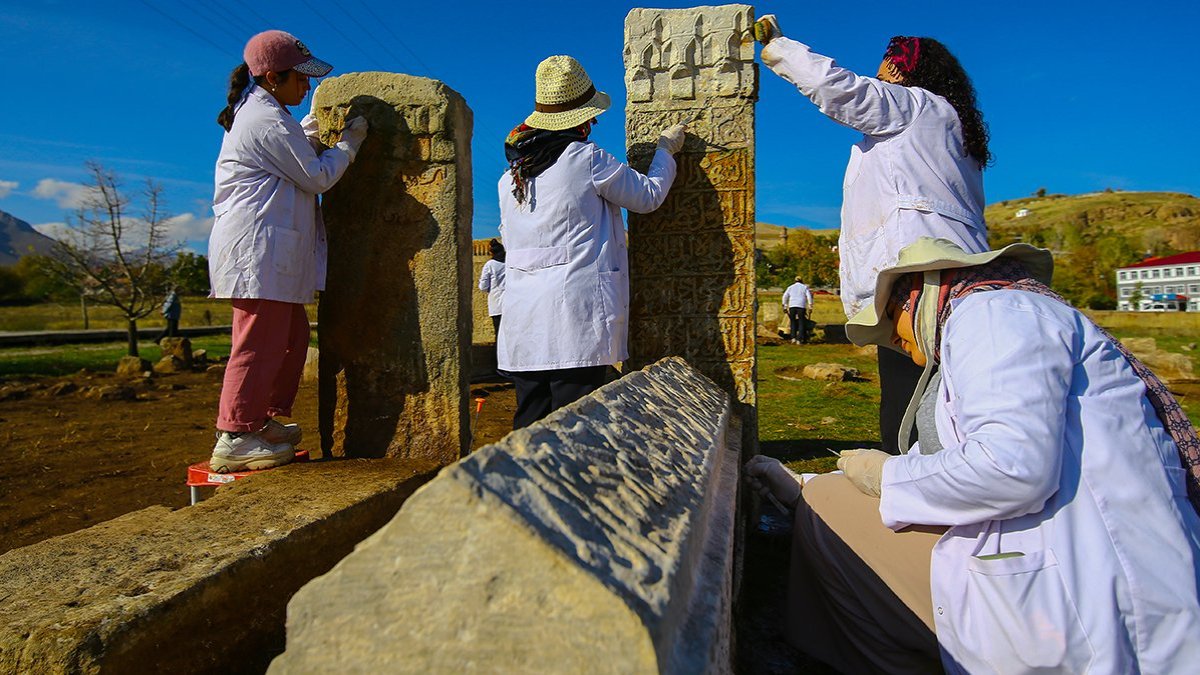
[918, 170]
[566, 295]
[1049, 488]
[267, 248]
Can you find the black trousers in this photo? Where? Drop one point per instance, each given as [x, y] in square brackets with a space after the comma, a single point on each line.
[496, 324]
[541, 392]
[171, 329]
[798, 316]
[898, 377]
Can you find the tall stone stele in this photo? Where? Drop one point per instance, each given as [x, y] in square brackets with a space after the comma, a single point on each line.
[692, 261]
[395, 318]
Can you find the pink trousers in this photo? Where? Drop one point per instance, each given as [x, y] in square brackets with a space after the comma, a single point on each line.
[270, 342]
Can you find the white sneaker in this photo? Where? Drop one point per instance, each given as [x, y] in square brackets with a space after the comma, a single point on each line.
[247, 451]
[277, 432]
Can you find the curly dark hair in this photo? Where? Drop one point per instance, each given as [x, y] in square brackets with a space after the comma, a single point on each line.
[938, 71]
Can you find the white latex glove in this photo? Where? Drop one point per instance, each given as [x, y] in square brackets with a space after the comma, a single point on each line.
[671, 139]
[767, 29]
[864, 468]
[353, 135]
[768, 475]
[312, 131]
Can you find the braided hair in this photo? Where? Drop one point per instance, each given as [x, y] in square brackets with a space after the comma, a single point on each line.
[932, 67]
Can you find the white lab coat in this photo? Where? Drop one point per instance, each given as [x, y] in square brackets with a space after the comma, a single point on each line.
[797, 295]
[566, 289]
[909, 176]
[1051, 449]
[268, 239]
[491, 281]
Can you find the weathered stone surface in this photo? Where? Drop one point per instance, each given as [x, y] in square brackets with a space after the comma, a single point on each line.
[831, 372]
[132, 366]
[396, 313]
[691, 262]
[216, 371]
[170, 364]
[112, 392]
[178, 347]
[1168, 366]
[200, 589]
[200, 358]
[598, 540]
[312, 363]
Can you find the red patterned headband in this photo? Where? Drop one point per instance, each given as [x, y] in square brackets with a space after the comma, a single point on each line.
[903, 53]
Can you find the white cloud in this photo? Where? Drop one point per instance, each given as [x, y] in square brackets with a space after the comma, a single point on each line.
[7, 186]
[68, 195]
[53, 230]
[188, 227]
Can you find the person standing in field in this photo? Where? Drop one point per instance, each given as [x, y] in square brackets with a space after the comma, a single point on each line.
[172, 309]
[918, 170]
[566, 294]
[491, 281]
[267, 250]
[798, 302]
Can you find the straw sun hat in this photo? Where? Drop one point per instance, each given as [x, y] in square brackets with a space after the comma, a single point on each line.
[564, 95]
[871, 325]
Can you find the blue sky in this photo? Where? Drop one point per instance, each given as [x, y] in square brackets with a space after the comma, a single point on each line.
[1078, 96]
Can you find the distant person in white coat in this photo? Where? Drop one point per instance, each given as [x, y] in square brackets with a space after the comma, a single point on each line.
[267, 248]
[491, 281]
[1045, 520]
[566, 295]
[798, 301]
[918, 170]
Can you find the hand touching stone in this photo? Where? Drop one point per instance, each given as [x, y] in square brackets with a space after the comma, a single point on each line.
[768, 475]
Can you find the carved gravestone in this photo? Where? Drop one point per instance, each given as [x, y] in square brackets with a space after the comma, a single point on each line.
[692, 261]
[395, 318]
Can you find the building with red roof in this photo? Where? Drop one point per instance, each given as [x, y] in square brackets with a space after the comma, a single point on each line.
[1160, 284]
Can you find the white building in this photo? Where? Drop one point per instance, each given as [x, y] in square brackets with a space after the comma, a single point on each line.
[1170, 282]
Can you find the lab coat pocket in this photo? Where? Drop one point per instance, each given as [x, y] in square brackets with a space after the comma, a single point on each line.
[285, 247]
[614, 306]
[531, 259]
[854, 166]
[1025, 618]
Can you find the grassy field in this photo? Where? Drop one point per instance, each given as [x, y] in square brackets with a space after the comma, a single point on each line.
[798, 419]
[197, 311]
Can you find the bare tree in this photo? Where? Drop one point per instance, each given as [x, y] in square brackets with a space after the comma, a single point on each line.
[113, 257]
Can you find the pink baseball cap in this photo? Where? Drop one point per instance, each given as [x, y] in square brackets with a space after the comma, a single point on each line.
[279, 51]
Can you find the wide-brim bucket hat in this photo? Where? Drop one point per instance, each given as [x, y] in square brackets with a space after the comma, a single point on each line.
[871, 325]
[564, 96]
[277, 51]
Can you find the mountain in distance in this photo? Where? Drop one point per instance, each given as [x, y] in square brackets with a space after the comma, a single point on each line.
[18, 238]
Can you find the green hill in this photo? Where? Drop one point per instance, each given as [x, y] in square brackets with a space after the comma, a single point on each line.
[1155, 223]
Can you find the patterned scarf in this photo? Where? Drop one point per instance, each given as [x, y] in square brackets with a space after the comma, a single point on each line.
[903, 52]
[1008, 274]
[531, 151]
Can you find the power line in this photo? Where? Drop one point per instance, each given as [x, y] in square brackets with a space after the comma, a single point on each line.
[266, 23]
[353, 43]
[381, 43]
[397, 39]
[231, 18]
[218, 25]
[186, 27]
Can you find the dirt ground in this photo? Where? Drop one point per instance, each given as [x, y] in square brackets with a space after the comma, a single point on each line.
[79, 450]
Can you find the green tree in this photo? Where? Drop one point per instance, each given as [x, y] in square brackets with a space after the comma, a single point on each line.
[190, 273]
[810, 256]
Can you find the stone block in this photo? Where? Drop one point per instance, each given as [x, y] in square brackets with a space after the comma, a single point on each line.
[597, 540]
[691, 262]
[132, 366]
[199, 589]
[396, 312]
[312, 361]
[830, 372]
[170, 364]
[178, 347]
[200, 358]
